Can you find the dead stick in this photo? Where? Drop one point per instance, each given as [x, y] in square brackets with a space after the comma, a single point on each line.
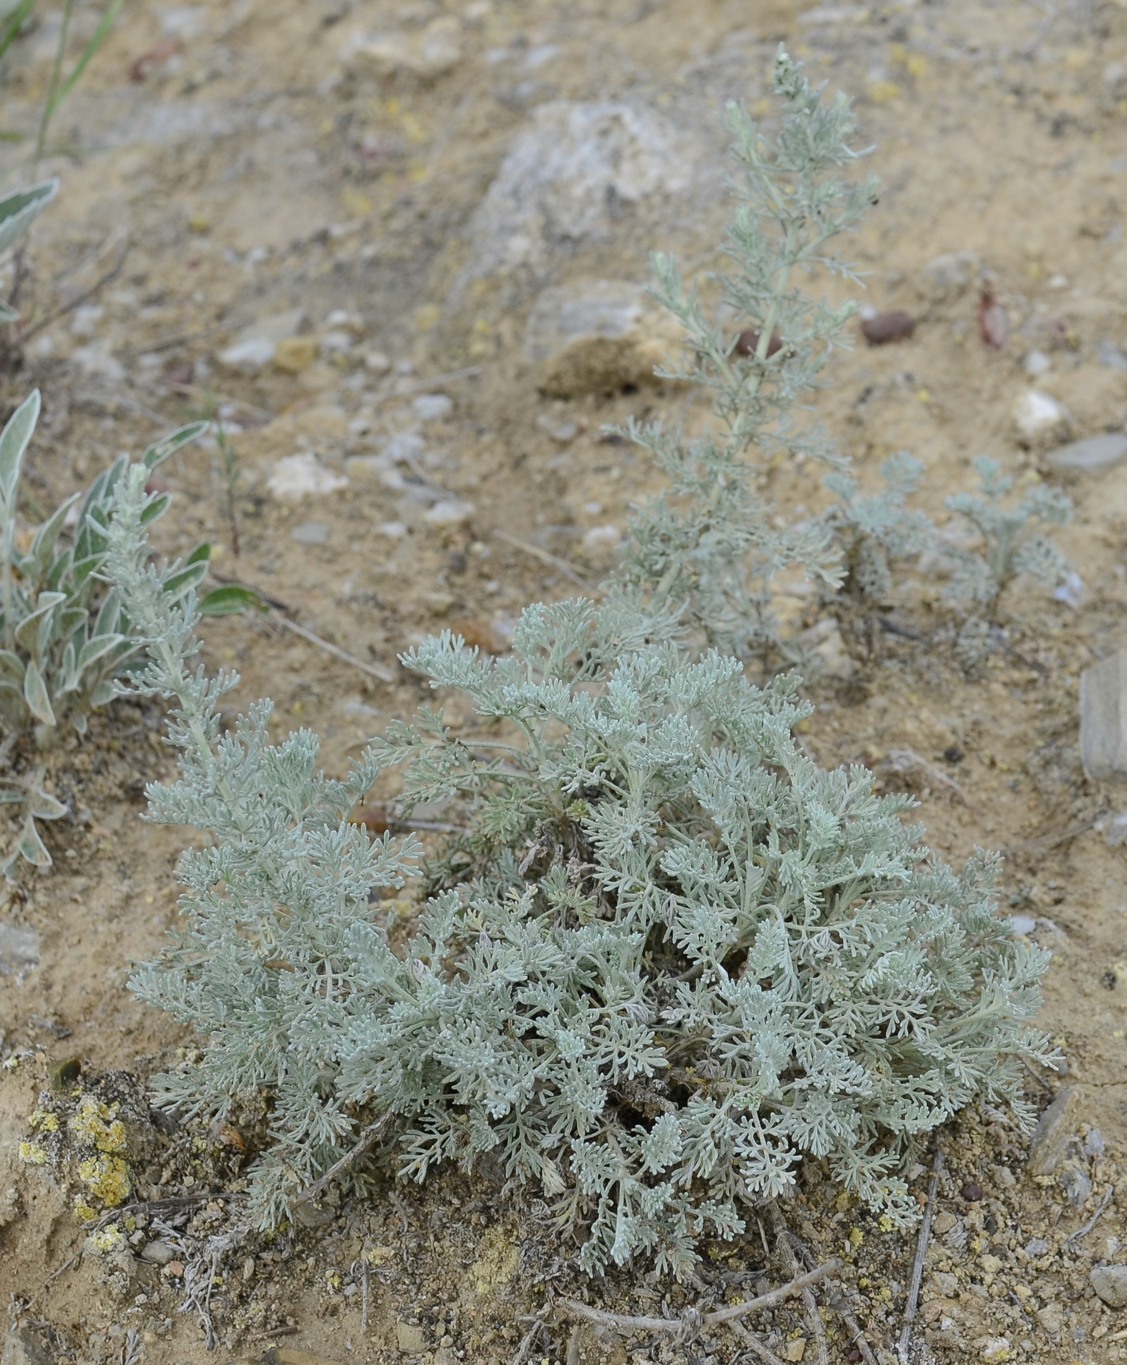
[625, 1323]
[857, 1335]
[1082, 1232]
[524, 1350]
[79, 299]
[545, 556]
[810, 1303]
[918, 1267]
[366, 1139]
[373, 670]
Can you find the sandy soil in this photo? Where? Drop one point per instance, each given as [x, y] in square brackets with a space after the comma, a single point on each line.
[233, 165]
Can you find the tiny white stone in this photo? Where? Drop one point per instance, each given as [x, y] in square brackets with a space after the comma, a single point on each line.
[295, 476]
[599, 537]
[335, 343]
[249, 356]
[1038, 415]
[432, 407]
[449, 512]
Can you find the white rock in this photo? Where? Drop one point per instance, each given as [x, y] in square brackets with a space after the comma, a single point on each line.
[253, 349]
[19, 950]
[250, 356]
[335, 343]
[310, 533]
[1091, 456]
[1039, 418]
[945, 277]
[432, 407]
[602, 537]
[1110, 1284]
[297, 476]
[1103, 718]
[449, 512]
[376, 362]
[421, 57]
[404, 447]
[568, 174]
[95, 359]
[1036, 364]
[84, 322]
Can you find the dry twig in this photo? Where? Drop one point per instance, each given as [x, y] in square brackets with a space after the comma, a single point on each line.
[810, 1303]
[1082, 1232]
[918, 1267]
[366, 1140]
[693, 1320]
[545, 557]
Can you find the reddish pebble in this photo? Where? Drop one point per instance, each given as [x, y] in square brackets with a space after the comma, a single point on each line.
[175, 1269]
[374, 819]
[748, 342]
[993, 321]
[886, 327]
[156, 56]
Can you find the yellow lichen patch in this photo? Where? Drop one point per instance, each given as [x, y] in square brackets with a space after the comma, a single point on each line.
[496, 1264]
[107, 1239]
[98, 1124]
[32, 1153]
[82, 1210]
[41, 1119]
[107, 1179]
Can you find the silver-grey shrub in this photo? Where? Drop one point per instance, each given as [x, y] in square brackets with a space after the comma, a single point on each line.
[673, 959]
[667, 963]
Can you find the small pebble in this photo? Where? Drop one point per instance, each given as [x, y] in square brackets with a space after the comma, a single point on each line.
[946, 276]
[972, 1192]
[158, 1252]
[19, 950]
[1039, 417]
[599, 537]
[1077, 1186]
[1036, 364]
[1093, 1143]
[449, 512]
[404, 446]
[335, 343]
[376, 362]
[293, 355]
[310, 533]
[1110, 1284]
[248, 356]
[1052, 1134]
[432, 407]
[561, 431]
[1110, 355]
[295, 476]
[888, 327]
[1090, 456]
